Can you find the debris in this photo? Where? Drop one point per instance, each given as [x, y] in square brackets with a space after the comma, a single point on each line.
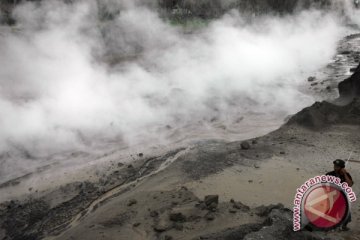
[311, 79]
[132, 202]
[245, 145]
[210, 216]
[211, 200]
[177, 217]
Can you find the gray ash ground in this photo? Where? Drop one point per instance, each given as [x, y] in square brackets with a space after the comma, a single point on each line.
[169, 214]
[142, 201]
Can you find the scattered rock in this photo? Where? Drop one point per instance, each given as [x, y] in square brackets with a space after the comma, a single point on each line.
[232, 210]
[311, 79]
[279, 226]
[350, 87]
[136, 224]
[245, 145]
[240, 206]
[211, 201]
[213, 206]
[177, 217]
[210, 216]
[353, 69]
[154, 214]
[162, 226]
[265, 210]
[132, 202]
[282, 152]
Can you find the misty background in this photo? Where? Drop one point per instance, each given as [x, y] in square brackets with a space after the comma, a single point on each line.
[94, 75]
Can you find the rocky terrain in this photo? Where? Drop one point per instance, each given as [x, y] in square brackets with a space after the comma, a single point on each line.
[207, 189]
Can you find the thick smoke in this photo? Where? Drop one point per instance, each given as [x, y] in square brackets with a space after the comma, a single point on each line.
[72, 77]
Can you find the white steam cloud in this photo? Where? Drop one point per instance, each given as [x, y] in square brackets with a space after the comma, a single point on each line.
[58, 90]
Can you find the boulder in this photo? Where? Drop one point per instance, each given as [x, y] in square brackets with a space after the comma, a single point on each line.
[211, 201]
[177, 217]
[245, 145]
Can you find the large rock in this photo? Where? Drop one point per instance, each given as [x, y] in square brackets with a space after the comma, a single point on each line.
[323, 114]
[350, 87]
[177, 217]
[280, 228]
[265, 210]
[211, 200]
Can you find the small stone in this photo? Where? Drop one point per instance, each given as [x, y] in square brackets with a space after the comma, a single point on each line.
[245, 145]
[132, 202]
[241, 206]
[265, 210]
[167, 237]
[136, 224]
[154, 214]
[254, 141]
[140, 154]
[297, 169]
[256, 166]
[282, 152]
[177, 217]
[210, 216]
[209, 199]
[250, 181]
[213, 206]
[162, 226]
[314, 84]
[232, 211]
[311, 79]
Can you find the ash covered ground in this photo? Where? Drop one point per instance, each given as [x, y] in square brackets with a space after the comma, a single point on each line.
[173, 119]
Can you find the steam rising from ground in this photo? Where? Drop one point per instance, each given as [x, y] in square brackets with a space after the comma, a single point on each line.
[57, 90]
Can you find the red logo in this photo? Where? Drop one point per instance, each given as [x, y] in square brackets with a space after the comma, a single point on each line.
[325, 206]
